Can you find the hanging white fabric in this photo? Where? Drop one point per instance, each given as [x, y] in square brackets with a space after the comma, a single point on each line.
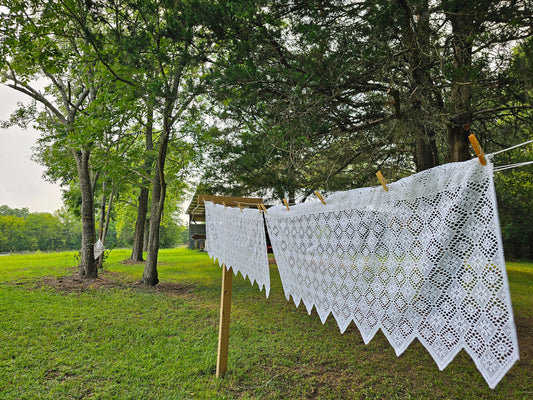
[99, 249]
[237, 239]
[423, 260]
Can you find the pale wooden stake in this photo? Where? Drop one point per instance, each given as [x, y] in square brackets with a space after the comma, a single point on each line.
[225, 311]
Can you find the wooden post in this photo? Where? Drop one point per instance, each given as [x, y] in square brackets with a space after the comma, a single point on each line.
[225, 311]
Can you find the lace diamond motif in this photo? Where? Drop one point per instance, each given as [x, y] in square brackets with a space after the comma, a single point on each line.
[423, 260]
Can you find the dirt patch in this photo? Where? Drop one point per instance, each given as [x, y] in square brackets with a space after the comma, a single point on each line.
[76, 284]
[131, 262]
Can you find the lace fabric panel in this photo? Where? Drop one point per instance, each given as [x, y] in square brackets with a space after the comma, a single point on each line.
[423, 260]
[237, 239]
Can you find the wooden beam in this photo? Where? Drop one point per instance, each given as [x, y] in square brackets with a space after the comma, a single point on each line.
[230, 201]
[223, 332]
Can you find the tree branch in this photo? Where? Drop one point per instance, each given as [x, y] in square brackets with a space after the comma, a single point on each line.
[34, 94]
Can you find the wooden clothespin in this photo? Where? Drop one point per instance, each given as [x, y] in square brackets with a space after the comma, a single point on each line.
[264, 208]
[382, 180]
[477, 149]
[286, 204]
[317, 194]
[240, 207]
[259, 208]
[224, 204]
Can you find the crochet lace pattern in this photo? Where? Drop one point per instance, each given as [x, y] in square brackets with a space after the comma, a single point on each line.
[237, 239]
[423, 260]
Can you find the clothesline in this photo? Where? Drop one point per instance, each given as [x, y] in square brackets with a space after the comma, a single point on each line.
[512, 147]
[511, 166]
[491, 155]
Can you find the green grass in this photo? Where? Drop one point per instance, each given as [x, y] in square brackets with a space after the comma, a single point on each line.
[129, 342]
[24, 266]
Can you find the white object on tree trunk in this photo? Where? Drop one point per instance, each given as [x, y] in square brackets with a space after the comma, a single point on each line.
[98, 249]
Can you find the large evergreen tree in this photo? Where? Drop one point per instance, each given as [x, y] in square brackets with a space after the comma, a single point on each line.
[315, 92]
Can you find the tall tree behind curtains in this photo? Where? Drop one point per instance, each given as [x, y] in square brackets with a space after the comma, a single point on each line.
[161, 48]
[360, 86]
[296, 108]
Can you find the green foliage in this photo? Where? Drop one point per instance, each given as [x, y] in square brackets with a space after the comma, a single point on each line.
[12, 236]
[63, 349]
[37, 231]
[172, 234]
[514, 189]
[321, 95]
[267, 97]
[17, 212]
[45, 230]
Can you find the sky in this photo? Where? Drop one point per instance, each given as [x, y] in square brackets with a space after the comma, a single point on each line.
[21, 181]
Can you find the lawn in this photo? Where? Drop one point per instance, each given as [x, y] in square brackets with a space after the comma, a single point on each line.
[113, 338]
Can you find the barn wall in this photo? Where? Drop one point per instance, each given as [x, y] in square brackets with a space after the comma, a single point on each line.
[196, 229]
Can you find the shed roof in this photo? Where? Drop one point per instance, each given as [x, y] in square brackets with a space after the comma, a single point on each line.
[196, 209]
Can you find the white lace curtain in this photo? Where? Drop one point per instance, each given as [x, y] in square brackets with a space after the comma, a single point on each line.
[237, 239]
[423, 260]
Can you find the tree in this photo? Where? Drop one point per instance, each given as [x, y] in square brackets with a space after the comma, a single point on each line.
[41, 41]
[11, 234]
[335, 88]
[21, 230]
[45, 231]
[144, 192]
[175, 43]
[17, 212]
[514, 187]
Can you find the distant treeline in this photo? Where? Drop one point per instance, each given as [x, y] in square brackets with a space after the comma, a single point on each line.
[21, 230]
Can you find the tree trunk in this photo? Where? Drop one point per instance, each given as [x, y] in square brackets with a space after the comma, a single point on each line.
[461, 92]
[417, 40]
[142, 208]
[140, 223]
[101, 222]
[150, 276]
[426, 149]
[88, 267]
[108, 214]
[106, 225]
[146, 233]
[458, 132]
[158, 201]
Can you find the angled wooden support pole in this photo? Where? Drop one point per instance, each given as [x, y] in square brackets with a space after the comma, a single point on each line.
[223, 332]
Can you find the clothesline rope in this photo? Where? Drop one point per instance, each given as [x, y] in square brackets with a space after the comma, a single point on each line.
[511, 166]
[512, 147]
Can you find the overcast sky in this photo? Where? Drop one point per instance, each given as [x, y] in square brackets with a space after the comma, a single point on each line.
[21, 181]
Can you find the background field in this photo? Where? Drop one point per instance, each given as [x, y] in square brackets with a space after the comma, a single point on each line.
[113, 338]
